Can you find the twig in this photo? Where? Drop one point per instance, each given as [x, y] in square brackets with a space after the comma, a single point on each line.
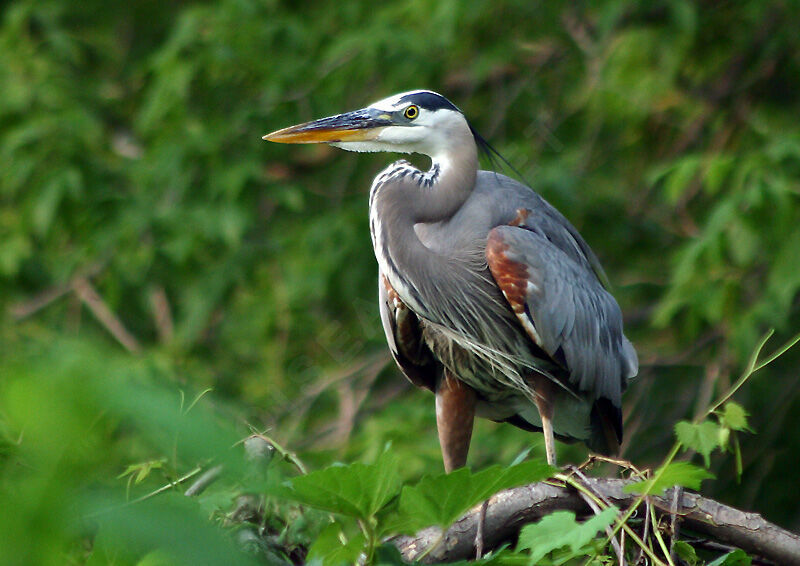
[206, 479]
[621, 525]
[89, 296]
[657, 534]
[147, 496]
[511, 509]
[614, 542]
[617, 545]
[675, 522]
[369, 364]
[645, 530]
[23, 310]
[162, 314]
[479, 533]
[290, 457]
[753, 366]
[28, 308]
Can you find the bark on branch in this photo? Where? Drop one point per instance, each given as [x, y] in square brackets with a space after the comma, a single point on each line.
[508, 510]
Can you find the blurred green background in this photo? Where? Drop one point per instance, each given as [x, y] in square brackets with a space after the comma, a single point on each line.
[153, 247]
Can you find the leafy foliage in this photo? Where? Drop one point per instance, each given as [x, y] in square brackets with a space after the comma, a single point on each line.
[440, 500]
[735, 558]
[329, 548]
[365, 491]
[702, 437]
[360, 490]
[559, 530]
[675, 473]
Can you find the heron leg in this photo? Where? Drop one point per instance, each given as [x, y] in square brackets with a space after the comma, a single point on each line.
[543, 397]
[455, 414]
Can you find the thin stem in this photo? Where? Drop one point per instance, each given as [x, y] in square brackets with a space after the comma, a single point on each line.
[161, 489]
[750, 370]
[645, 530]
[432, 546]
[778, 353]
[632, 509]
[618, 545]
[659, 538]
[369, 535]
[290, 457]
[621, 524]
[752, 367]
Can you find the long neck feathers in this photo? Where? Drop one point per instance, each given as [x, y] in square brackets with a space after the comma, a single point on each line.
[449, 287]
[403, 196]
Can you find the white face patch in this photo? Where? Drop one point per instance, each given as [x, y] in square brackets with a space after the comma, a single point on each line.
[434, 133]
[393, 102]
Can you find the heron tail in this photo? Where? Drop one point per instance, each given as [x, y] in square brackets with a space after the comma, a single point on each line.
[606, 422]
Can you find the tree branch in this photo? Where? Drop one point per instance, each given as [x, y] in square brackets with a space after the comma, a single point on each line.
[508, 510]
[101, 311]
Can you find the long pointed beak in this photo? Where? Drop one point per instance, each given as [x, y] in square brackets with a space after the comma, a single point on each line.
[358, 125]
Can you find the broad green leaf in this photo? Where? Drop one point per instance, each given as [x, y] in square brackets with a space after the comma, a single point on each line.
[441, 499]
[703, 437]
[734, 417]
[387, 554]
[331, 549]
[736, 558]
[156, 558]
[359, 490]
[172, 525]
[737, 453]
[724, 437]
[503, 557]
[681, 176]
[686, 552]
[716, 172]
[560, 529]
[521, 457]
[677, 473]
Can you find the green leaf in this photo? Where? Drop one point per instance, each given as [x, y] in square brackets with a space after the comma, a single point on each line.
[358, 490]
[686, 552]
[331, 549]
[388, 554]
[521, 456]
[441, 499]
[724, 437]
[156, 558]
[737, 453]
[681, 176]
[734, 417]
[140, 471]
[560, 529]
[702, 437]
[736, 558]
[716, 172]
[502, 557]
[677, 473]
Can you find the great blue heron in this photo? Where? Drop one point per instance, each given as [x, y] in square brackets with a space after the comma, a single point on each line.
[489, 297]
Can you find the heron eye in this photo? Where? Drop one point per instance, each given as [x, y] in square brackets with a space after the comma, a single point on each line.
[411, 112]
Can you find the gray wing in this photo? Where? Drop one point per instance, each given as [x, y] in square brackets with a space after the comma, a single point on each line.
[404, 336]
[557, 297]
[535, 213]
[549, 222]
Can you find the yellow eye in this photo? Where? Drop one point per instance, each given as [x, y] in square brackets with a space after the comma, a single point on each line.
[411, 112]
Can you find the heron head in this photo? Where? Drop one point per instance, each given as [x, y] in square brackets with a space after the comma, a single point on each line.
[418, 121]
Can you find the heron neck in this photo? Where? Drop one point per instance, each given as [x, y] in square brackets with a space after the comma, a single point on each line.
[408, 198]
[451, 180]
